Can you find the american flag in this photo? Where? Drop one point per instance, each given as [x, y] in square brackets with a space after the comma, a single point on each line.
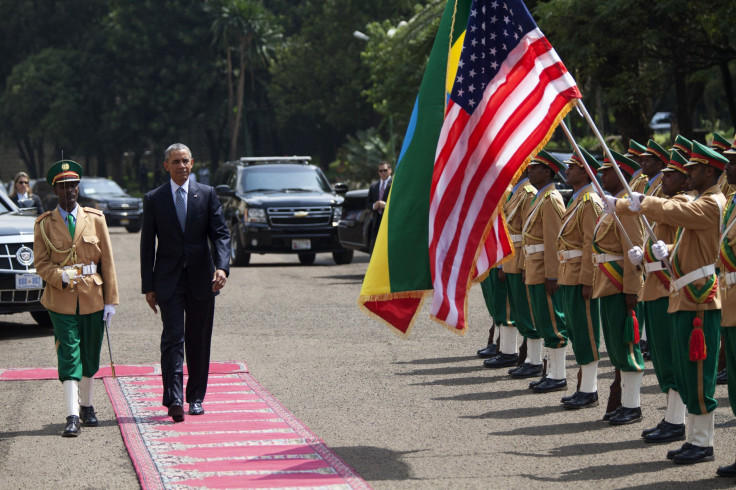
[510, 92]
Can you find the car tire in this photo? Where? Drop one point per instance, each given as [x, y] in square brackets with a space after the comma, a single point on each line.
[307, 258]
[343, 257]
[133, 227]
[42, 318]
[238, 256]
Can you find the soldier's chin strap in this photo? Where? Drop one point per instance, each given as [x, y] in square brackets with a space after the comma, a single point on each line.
[71, 257]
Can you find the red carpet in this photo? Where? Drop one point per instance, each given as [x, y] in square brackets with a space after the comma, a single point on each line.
[246, 438]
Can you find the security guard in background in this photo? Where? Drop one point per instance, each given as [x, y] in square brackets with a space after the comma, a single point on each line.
[73, 255]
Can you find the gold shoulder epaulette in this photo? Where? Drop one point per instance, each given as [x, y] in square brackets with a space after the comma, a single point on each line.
[47, 213]
[93, 211]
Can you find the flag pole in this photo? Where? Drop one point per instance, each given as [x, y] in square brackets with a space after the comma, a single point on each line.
[595, 182]
[607, 151]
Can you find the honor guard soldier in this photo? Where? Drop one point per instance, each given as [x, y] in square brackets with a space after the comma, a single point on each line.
[73, 255]
[575, 276]
[514, 210]
[495, 294]
[617, 282]
[695, 302]
[655, 298]
[638, 180]
[541, 228]
[720, 144]
[653, 161]
[727, 282]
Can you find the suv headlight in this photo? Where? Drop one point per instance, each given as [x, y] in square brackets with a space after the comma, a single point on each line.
[336, 213]
[256, 215]
[102, 206]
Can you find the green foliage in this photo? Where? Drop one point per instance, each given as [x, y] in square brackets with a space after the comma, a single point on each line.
[359, 157]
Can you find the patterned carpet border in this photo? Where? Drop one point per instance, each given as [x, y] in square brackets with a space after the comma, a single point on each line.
[33, 374]
[136, 419]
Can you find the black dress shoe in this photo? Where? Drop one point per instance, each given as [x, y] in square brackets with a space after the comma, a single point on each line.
[722, 377]
[582, 400]
[626, 415]
[608, 415]
[674, 452]
[667, 433]
[489, 351]
[696, 454]
[88, 416]
[549, 385]
[195, 408]
[538, 382]
[501, 360]
[72, 426]
[176, 412]
[649, 431]
[526, 370]
[727, 471]
[567, 398]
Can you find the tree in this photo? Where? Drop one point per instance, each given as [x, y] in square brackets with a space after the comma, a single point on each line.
[246, 27]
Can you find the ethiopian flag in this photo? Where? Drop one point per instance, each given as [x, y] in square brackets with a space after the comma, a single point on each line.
[398, 277]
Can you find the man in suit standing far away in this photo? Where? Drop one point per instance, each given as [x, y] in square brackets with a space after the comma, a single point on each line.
[182, 275]
[377, 197]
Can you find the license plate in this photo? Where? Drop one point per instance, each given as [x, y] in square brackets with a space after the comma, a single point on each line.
[124, 221]
[301, 244]
[28, 281]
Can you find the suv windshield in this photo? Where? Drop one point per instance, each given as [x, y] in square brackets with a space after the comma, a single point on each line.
[102, 186]
[280, 178]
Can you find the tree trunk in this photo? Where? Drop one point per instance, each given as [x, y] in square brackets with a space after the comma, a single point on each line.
[239, 111]
[728, 90]
[682, 112]
[230, 99]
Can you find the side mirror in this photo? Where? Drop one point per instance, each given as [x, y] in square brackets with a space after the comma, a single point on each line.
[224, 190]
[340, 188]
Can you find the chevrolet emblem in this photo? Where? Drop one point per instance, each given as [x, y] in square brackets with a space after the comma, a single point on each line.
[301, 214]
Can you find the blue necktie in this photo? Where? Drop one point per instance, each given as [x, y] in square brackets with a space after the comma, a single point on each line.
[181, 208]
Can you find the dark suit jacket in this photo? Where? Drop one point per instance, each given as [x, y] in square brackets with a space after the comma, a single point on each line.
[375, 189]
[162, 262]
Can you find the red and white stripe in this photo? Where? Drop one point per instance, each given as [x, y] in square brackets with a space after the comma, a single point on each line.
[477, 156]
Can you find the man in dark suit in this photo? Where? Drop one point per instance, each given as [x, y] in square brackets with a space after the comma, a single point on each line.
[377, 196]
[182, 274]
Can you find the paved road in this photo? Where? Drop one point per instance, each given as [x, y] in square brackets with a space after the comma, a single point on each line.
[418, 413]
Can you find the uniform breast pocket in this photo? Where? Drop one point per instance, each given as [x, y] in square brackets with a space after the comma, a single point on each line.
[91, 247]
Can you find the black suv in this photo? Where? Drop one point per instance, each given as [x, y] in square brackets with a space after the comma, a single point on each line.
[280, 205]
[20, 287]
[120, 208]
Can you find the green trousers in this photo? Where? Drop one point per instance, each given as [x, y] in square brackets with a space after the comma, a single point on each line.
[729, 338]
[78, 340]
[624, 355]
[519, 302]
[548, 318]
[582, 318]
[659, 341]
[495, 292]
[696, 381]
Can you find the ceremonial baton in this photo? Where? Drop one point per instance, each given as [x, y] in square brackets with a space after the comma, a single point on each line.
[595, 182]
[650, 231]
[109, 347]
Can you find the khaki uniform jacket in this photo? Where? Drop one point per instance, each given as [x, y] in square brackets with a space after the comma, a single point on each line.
[513, 212]
[578, 224]
[610, 240]
[726, 188]
[653, 187]
[728, 293]
[654, 288]
[542, 225]
[701, 223]
[92, 244]
[638, 183]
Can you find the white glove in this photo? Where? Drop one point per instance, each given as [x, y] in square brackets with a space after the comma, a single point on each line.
[660, 251]
[107, 313]
[635, 199]
[636, 255]
[64, 278]
[609, 204]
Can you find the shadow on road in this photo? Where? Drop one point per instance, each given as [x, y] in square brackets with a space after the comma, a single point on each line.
[438, 360]
[376, 463]
[13, 330]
